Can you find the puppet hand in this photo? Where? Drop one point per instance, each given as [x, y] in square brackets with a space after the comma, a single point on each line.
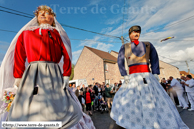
[13, 89]
[156, 76]
[17, 82]
[65, 81]
[126, 79]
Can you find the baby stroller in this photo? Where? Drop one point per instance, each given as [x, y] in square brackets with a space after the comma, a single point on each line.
[102, 104]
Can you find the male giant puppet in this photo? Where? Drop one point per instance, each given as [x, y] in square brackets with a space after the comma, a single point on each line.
[141, 102]
[43, 93]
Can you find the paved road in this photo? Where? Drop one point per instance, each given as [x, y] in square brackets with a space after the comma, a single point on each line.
[103, 121]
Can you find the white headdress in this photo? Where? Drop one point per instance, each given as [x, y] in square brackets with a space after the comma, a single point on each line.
[6, 73]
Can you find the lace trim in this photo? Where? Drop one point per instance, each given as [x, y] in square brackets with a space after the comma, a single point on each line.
[42, 26]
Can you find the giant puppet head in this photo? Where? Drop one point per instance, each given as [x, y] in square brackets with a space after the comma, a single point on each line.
[134, 33]
[45, 15]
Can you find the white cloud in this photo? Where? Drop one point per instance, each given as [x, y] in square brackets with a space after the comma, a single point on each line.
[114, 20]
[106, 29]
[104, 47]
[91, 42]
[94, 2]
[76, 55]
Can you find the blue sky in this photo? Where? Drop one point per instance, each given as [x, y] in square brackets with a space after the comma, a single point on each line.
[158, 18]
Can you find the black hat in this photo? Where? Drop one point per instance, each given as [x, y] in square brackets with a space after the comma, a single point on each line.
[134, 28]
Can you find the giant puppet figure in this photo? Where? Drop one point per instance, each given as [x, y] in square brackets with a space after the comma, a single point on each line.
[43, 93]
[141, 102]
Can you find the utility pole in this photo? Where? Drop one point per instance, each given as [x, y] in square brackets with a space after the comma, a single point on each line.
[122, 39]
[187, 66]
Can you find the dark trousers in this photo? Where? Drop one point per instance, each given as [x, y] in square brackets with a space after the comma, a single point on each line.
[88, 106]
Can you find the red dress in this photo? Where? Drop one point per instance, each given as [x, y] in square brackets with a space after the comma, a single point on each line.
[36, 47]
[88, 97]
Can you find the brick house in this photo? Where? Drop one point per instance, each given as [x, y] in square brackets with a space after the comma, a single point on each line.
[99, 66]
[183, 73]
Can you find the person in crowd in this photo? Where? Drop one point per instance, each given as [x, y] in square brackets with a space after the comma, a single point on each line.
[95, 88]
[81, 100]
[103, 84]
[90, 88]
[108, 93]
[103, 90]
[73, 88]
[163, 83]
[93, 99]
[120, 82]
[141, 102]
[77, 91]
[99, 89]
[183, 79]
[189, 87]
[119, 86]
[88, 101]
[83, 88]
[115, 87]
[177, 87]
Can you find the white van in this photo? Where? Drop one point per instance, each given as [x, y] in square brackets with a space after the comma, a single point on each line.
[78, 82]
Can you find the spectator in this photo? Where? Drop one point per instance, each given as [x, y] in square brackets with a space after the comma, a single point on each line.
[119, 85]
[93, 99]
[77, 91]
[103, 84]
[183, 80]
[189, 86]
[90, 88]
[73, 88]
[179, 90]
[99, 89]
[108, 92]
[88, 99]
[95, 88]
[83, 89]
[163, 83]
[81, 99]
[120, 82]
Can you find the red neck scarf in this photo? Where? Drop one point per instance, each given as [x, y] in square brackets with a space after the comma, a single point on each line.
[136, 42]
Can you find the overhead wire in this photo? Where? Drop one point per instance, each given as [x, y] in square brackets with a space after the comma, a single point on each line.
[16, 11]
[70, 38]
[30, 16]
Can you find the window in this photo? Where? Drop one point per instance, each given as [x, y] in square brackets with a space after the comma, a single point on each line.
[105, 67]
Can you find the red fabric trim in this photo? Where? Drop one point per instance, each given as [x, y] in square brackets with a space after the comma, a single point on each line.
[136, 42]
[139, 69]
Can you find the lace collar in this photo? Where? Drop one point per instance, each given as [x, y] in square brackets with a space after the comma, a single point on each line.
[42, 26]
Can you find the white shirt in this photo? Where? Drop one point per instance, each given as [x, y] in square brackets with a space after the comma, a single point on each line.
[191, 85]
[74, 89]
[176, 84]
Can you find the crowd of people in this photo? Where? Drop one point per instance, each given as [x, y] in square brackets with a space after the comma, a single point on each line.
[96, 97]
[181, 91]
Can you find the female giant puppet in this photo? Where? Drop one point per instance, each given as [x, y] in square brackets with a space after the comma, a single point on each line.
[141, 102]
[43, 93]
